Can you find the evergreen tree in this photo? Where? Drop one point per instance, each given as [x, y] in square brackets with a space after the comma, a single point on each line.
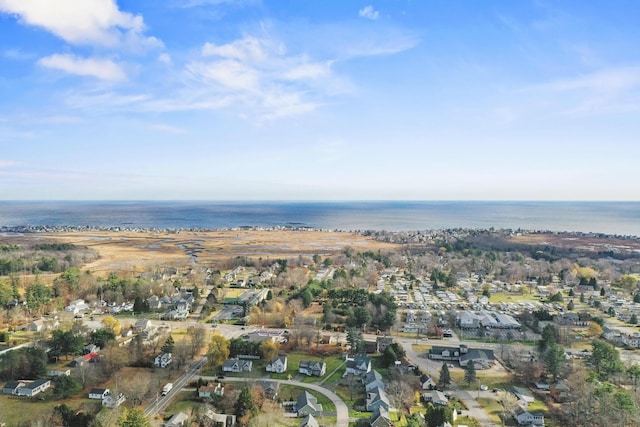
[582, 297]
[570, 306]
[244, 404]
[603, 292]
[168, 345]
[634, 319]
[470, 373]
[445, 376]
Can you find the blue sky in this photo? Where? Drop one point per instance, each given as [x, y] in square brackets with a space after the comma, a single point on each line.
[319, 100]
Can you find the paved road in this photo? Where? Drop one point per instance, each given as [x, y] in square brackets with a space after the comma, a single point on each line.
[159, 403]
[342, 412]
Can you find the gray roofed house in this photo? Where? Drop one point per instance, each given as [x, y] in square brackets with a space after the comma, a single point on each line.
[528, 418]
[312, 368]
[376, 398]
[380, 418]
[34, 387]
[307, 404]
[358, 365]
[237, 365]
[271, 388]
[436, 397]
[481, 358]
[11, 387]
[522, 394]
[178, 420]
[372, 380]
[309, 421]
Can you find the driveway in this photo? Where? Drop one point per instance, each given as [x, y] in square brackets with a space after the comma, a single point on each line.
[342, 412]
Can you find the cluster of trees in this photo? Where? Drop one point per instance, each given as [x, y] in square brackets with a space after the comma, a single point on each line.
[44, 257]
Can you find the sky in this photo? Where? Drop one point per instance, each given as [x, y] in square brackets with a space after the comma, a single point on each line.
[319, 100]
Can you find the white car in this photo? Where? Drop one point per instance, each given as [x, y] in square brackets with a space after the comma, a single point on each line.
[484, 387]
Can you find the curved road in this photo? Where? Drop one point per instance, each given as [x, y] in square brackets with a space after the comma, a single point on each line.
[342, 412]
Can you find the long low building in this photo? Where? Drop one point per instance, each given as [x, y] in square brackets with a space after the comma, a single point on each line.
[482, 358]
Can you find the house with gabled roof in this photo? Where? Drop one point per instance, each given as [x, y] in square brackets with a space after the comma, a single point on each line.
[309, 421]
[237, 365]
[307, 404]
[271, 389]
[312, 368]
[162, 360]
[111, 401]
[522, 394]
[99, 393]
[278, 365]
[34, 387]
[426, 382]
[11, 387]
[436, 397]
[177, 420]
[359, 365]
[380, 418]
[376, 398]
[372, 379]
[527, 418]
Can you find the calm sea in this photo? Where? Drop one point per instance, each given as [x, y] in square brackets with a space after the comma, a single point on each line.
[601, 217]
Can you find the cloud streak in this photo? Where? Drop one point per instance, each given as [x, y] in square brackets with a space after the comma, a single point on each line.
[369, 12]
[100, 68]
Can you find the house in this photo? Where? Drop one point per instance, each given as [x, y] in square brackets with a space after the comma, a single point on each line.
[178, 420]
[162, 360]
[271, 389]
[277, 365]
[58, 373]
[34, 387]
[99, 393]
[372, 380]
[358, 365]
[436, 397]
[90, 348]
[112, 401]
[42, 325]
[426, 382]
[380, 418]
[382, 343]
[560, 392]
[309, 421]
[142, 325]
[220, 420]
[312, 368]
[307, 404]
[237, 365]
[376, 398]
[11, 387]
[211, 390]
[154, 303]
[525, 417]
[522, 394]
[482, 359]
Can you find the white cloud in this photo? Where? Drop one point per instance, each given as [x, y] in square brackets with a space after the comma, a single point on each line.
[7, 163]
[260, 75]
[103, 69]
[369, 12]
[85, 22]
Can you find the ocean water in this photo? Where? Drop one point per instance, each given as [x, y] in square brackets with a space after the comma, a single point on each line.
[622, 218]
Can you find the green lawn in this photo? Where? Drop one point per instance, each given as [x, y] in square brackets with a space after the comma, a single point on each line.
[294, 359]
[13, 411]
[291, 392]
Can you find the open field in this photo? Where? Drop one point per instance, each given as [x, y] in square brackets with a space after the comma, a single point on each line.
[138, 251]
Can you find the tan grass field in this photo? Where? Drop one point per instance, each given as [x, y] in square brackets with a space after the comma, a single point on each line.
[138, 251]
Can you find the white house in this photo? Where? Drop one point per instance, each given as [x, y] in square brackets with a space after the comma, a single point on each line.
[525, 417]
[358, 365]
[111, 401]
[162, 360]
[99, 393]
[34, 387]
[312, 368]
[278, 365]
